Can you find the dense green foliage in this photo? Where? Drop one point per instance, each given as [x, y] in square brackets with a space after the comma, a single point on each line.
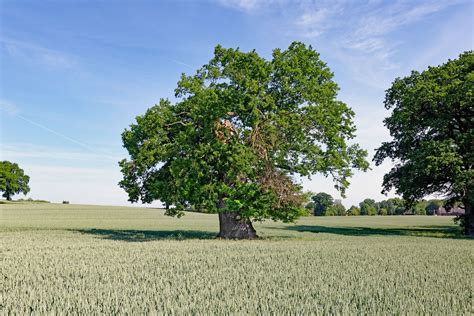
[241, 129]
[393, 206]
[60, 259]
[13, 180]
[368, 207]
[432, 125]
[321, 202]
[420, 207]
[353, 211]
[432, 206]
[337, 209]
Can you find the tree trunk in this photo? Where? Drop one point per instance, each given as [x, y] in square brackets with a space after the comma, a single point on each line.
[231, 226]
[468, 217]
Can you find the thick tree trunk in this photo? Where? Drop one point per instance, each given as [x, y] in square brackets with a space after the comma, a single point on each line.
[231, 226]
[469, 217]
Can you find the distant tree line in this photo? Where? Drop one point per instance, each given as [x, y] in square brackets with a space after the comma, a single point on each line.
[32, 200]
[323, 204]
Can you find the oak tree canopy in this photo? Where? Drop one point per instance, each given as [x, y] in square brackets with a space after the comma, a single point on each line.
[432, 126]
[240, 131]
[13, 180]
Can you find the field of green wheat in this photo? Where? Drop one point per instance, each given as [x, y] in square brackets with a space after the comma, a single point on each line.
[92, 259]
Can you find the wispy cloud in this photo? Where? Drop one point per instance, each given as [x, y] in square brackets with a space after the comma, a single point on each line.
[372, 27]
[8, 107]
[316, 18]
[37, 54]
[381, 21]
[314, 23]
[244, 5]
[370, 45]
[14, 111]
[358, 33]
[183, 64]
[19, 151]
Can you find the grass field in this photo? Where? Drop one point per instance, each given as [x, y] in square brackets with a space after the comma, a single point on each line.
[92, 259]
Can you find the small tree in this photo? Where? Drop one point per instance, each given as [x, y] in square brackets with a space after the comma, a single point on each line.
[322, 202]
[243, 127]
[368, 207]
[12, 180]
[432, 125]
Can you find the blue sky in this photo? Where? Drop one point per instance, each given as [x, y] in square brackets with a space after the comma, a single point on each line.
[74, 74]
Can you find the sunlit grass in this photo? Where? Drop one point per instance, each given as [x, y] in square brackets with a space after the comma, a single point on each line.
[91, 259]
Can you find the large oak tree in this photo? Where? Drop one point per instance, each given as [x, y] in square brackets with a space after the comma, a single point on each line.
[243, 127]
[432, 125]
